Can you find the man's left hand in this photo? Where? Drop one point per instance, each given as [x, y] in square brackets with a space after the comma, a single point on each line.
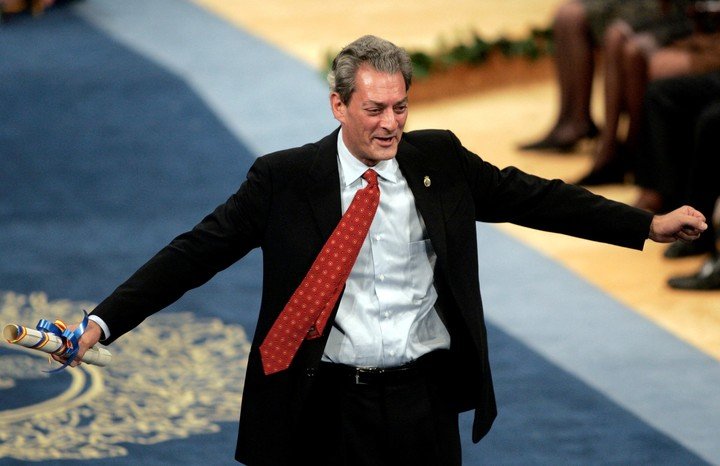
[684, 224]
[88, 339]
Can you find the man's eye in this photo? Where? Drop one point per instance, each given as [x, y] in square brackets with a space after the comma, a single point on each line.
[400, 109]
[373, 111]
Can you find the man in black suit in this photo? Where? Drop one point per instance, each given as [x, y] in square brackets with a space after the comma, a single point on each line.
[404, 349]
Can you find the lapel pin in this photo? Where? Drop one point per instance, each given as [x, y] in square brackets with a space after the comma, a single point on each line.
[426, 181]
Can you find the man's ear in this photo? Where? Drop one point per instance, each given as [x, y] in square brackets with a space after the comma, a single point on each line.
[338, 107]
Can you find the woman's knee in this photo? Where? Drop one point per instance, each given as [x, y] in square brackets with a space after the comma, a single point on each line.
[571, 17]
[636, 55]
[617, 35]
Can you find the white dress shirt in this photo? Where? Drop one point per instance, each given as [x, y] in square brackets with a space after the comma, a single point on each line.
[386, 315]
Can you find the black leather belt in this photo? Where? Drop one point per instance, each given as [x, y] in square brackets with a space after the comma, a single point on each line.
[369, 375]
[379, 375]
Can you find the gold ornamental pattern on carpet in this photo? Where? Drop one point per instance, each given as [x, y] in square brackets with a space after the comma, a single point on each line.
[174, 376]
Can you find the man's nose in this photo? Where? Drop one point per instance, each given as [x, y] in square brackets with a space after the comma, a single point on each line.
[389, 120]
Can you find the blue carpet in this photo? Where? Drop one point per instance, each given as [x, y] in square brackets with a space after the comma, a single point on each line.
[108, 150]
[105, 158]
[547, 416]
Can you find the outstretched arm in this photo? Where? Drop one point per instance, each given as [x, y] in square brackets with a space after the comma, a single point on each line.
[684, 224]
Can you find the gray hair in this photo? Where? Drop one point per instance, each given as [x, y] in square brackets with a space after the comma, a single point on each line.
[379, 53]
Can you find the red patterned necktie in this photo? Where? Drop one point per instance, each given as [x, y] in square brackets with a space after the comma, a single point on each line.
[309, 308]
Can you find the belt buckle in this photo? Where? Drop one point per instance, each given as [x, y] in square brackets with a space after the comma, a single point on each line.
[359, 372]
[357, 379]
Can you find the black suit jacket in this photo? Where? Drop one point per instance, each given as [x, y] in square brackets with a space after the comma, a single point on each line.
[289, 205]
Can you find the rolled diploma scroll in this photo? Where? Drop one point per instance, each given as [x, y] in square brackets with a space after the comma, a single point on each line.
[51, 343]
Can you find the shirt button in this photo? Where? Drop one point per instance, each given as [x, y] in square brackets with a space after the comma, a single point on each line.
[382, 277]
[387, 314]
[377, 237]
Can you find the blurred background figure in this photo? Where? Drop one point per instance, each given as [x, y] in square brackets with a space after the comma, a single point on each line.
[10, 7]
[579, 27]
[634, 59]
[679, 162]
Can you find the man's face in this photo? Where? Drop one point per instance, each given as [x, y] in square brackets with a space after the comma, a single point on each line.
[373, 120]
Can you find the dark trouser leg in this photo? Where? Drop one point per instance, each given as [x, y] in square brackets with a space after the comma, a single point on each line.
[422, 429]
[704, 184]
[384, 423]
[671, 109]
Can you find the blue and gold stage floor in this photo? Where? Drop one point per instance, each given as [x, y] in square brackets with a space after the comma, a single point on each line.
[122, 125]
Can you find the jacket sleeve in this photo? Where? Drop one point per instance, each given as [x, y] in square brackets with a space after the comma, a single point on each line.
[194, 257]
[511, 195]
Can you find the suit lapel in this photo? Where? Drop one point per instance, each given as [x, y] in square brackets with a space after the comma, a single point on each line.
[424, 179]
[323, 187]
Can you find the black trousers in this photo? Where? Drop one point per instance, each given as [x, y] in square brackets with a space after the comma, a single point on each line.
[704, 182]
[374, 419]
[680, 144]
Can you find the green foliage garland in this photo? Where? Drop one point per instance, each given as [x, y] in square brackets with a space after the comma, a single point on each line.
[476, 51]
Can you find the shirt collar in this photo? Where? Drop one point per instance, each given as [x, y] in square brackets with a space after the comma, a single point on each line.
[352, 168]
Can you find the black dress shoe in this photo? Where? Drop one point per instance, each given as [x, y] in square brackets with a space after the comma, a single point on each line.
[610, 173]
[708, 278]
[694, 248]
[550, 143]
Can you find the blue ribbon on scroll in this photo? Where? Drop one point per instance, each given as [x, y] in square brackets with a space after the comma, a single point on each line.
[70, 338]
